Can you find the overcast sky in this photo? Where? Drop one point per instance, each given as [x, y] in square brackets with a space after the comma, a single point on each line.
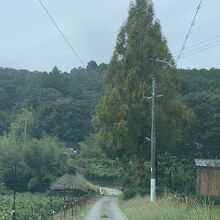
[28, 39]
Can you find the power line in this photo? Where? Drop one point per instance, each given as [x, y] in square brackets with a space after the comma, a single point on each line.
[62, 34]
[201, 50]
[198, 44]
[190, 29]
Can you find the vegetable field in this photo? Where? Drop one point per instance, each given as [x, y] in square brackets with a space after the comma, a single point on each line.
[31, 206]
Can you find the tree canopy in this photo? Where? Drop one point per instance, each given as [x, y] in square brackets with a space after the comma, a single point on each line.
[123, 117]
[62, 103]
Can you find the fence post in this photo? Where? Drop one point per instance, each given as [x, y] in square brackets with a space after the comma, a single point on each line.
[51, 206]
[14, 207]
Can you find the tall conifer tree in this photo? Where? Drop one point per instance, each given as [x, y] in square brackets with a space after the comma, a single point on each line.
[123, 117]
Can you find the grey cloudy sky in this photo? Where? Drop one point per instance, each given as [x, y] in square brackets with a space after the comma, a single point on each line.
[28, 39]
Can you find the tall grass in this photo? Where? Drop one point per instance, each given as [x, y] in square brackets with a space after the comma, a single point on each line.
[166, 208]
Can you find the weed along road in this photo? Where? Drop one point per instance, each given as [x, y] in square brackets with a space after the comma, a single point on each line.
[107, 207]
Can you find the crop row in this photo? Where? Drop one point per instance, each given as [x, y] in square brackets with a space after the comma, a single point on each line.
[31, 206]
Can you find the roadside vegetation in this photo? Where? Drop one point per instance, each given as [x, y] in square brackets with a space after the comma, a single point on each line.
[42, 206]
[168, 207]
[97, 167]
[31, 206]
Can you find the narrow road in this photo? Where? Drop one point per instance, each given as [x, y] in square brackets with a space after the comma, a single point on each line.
[107, 207]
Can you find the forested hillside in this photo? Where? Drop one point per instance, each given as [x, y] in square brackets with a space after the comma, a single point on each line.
[201, 93]
[62, 103]
[203, 80]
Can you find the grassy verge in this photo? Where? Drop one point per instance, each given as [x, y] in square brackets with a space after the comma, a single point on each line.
[215, 212]
[167, 208]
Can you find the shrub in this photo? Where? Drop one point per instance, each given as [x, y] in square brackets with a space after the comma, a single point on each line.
[129, 193]
[3, 190]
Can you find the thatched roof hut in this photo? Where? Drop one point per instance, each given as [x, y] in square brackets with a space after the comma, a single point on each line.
[72, 183]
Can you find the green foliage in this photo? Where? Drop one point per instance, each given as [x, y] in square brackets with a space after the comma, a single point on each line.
[123, 117]
[201, 93]
[129, 175]
[38, 162]
[177, 175]
[53, 162]
[204, 134]
[62, 104]
[38, 105]
[23, 125]
[100, 171]
[31, 206]
[194, 81]
[169, 207]
[90, 149]
[129, 193]
[3, 189]
[96, 166]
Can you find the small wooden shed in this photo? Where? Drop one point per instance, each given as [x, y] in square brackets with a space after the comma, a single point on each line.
[208, 177]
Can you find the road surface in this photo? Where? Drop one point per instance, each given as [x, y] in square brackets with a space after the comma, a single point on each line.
[107, 207]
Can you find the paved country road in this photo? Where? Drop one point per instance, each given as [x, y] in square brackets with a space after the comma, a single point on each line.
[107, 207]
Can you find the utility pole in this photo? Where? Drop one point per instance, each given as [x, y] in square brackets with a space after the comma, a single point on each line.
[153, 134]
[25, 130]
[153, 127]
[14, 197]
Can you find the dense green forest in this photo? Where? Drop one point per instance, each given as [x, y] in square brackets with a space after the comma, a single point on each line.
[42, 114]
[66, 102]
[62, 103]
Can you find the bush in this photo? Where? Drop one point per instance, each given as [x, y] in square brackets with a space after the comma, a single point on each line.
[142, 192]
[129, 193]
[3, 190]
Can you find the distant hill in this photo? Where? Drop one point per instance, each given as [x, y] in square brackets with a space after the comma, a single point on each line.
[63, 103]
[200, 81]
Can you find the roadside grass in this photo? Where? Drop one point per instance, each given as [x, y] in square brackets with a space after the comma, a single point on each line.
[215, 212]
[167, 208]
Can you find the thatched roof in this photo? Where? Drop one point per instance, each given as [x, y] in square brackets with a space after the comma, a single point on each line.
[70, 182]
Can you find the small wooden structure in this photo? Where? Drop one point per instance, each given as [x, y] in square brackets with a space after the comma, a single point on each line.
[71, 184]
[208, 177]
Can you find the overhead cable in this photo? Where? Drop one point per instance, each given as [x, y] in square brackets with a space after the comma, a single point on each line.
[62, 34]
[201, 50]
[198, 44]
[190, 29]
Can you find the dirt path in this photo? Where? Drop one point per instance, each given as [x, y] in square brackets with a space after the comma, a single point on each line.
[107, 207]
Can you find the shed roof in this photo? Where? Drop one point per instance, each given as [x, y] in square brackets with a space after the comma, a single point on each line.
[207, 163]
[69, 182]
